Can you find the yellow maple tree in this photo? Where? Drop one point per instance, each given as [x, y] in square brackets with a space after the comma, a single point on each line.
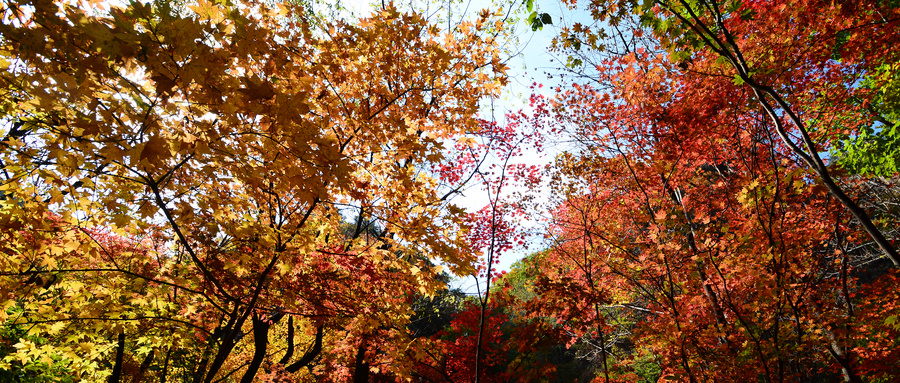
[173, 184]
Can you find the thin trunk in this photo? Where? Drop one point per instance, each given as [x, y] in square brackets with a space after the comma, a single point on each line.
[224, 350]
[120, 355]
[260, 341]
[602, 345]
[230, 333]
[361, 368]
[290, 339]
[484, 302]
[478, 355]
[310, 354]
[843, 359]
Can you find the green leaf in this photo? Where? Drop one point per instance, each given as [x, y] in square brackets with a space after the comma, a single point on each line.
[893, 322]
[840, 39]
[664, 25]
[738, 80]
[535, 21]
[545, 18]
[529, 5]
[680, 55]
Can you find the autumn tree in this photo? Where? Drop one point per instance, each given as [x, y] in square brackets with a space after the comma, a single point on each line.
[494, 158]
[699, 227]
[812, 67]
[719, 260]
[513, 347]
[174, 181]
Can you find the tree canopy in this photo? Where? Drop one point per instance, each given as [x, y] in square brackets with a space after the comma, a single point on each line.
[247, 191]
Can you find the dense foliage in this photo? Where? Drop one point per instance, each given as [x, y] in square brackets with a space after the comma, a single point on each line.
[175, 182]
[203, 192]
[702, 229]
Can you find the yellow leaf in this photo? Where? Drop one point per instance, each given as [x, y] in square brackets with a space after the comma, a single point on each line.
[285, 267]
[56, 327]
[208, 11]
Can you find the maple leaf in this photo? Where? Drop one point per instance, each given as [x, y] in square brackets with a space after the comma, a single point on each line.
[257, 89]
